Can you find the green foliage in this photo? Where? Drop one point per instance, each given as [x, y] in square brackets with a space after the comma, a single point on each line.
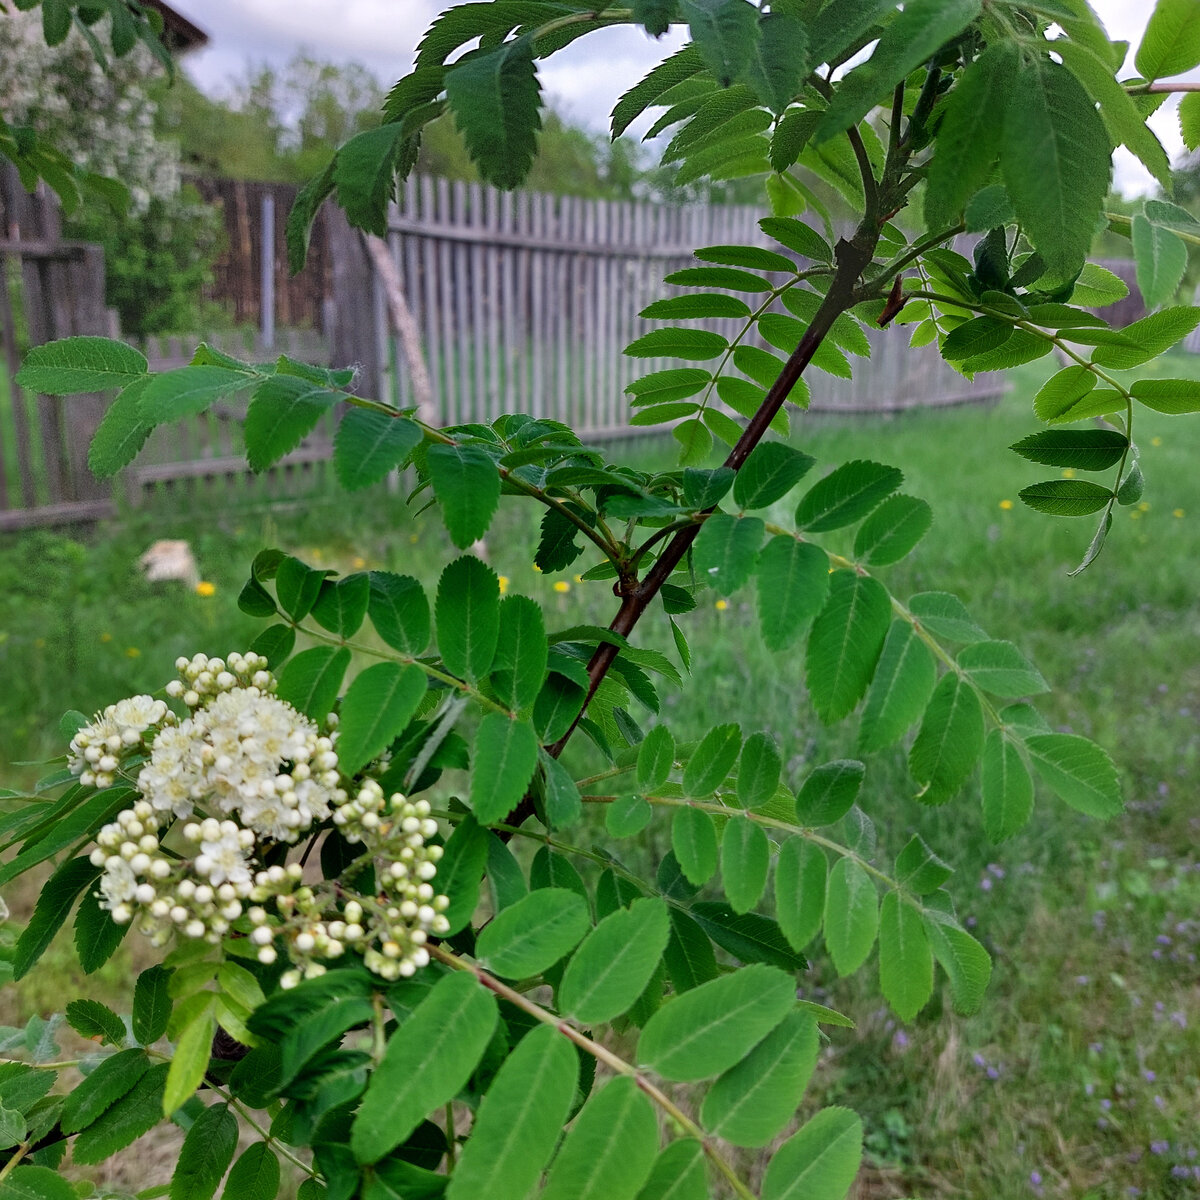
[459, 733]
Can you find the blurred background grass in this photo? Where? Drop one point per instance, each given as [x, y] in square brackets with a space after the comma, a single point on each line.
[1080, 1077]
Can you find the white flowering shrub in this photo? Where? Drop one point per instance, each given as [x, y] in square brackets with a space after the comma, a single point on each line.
[393, 941]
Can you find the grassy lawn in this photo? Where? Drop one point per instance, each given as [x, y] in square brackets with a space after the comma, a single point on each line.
[1080, 1077]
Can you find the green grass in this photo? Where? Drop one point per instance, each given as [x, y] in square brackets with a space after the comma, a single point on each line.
[1073, 1074]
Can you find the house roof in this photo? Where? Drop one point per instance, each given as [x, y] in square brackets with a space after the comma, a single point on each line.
[179, 34]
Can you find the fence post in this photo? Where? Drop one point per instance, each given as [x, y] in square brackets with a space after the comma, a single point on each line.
[267, 254]
[352, 335]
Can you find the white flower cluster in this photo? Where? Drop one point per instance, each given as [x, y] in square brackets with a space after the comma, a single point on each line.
[244, 768]
[243, 750]
[116, 734]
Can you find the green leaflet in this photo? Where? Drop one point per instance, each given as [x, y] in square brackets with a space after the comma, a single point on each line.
[1078, 771]
[1061, 392]
[193, 1049]
[368, 446]
[467, 485]
[683, 64]
[55, 902]
[892, 530]
[654, 15]
[851, 916]
[468, 617]
[678, 383]
[759, 771]
[615, 962]
[311, 680]
[845, 643]
[694, 840]
[749, 937]
[563, 803]
[1065, 497]
[905, 960]
[793, 583]
[920, 870]
[1171, 43]
[1173, 396]
[399, 611]
[800, 878]
[503, 763]
[1161, 261]
[100, 1090]
[1189, 120]
[914, 36]
[829, 793]
[656, 758]
[719, 277]
[137, 1111]
[796, 236]
[949, 742]
[36, 1183]
[377, 707]
[726, 549]
[364, 174]
[1055, 156]
[779, 60]
[695, 344]
[1007, 790]
[460, 871]
[206, 1154]
[519, 1120]
[534, 933]
[91, 1019]
[1000, 668]
[80, 364]
[255, 1175]
[1081, 449]
[846, 495]
[1151, 336]
[689, 956]
[151, 1004]
[965, 961]
[428, 1060]
[341, 605]
[819, 1161]
[97, 935]
[712, 760]
[284, 409]
[968, 139]
[627, 816]
[945, 616]
[711, 1027]
[769, 473]
[725, 32]
[122, 432]
[745, 860]
[753, 1101]
[496, 100]
[696, 306]
[187, 391]
[610, 1149]
[678, 1173]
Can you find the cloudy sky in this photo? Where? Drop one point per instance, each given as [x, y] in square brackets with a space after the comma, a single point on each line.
[583, 81]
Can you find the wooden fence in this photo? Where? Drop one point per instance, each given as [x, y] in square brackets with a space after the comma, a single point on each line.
[525, 303]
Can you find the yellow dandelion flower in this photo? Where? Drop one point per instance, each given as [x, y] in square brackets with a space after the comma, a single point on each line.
[358, 562]
[537, 568]
[106, 637]
[1068, 473]
[133, 652]
[39, 643]
[1006, 504]
[562, 587]
[414, 538]
[503, 584]
[204, 588]
[1177, 512]
[721, 605]
[1156, 441]
[1144, 506]
[1134, 515]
